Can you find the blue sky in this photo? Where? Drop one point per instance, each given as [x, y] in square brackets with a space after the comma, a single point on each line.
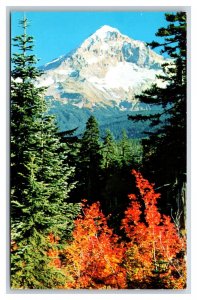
[57, 33]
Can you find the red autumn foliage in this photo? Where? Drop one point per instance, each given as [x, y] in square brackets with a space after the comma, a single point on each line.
[152, 257]
[155, 253]
[93, 259]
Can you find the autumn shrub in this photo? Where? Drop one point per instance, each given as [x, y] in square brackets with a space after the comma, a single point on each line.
[155, 256]
[93, 260]
[151, 255]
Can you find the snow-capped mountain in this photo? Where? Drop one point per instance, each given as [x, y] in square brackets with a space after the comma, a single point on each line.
[107, 70]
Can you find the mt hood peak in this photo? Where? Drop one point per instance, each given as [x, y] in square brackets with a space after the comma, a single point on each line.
[105, 31]
[109, 68]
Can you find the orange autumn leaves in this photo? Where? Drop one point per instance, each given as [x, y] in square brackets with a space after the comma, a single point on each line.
[151, 257]
[94, 257]
[155, 253]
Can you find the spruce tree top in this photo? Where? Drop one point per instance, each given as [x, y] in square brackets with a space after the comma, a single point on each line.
[24, 63]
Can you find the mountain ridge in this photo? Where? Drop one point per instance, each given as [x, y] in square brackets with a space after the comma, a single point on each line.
[107, 66]
[106, 71]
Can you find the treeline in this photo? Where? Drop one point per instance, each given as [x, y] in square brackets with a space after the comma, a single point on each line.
[52, 172]
[69, 116]
[102, 166]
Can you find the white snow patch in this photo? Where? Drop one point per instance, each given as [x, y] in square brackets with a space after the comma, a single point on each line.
[80, 104]
[114, 95]
[124, 75]
[104, 46]
[53, 61]
[63, 72]
[101, 32]
[92, 60]
[46, 82]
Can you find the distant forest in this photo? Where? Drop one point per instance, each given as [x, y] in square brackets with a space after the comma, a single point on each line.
[92, 211]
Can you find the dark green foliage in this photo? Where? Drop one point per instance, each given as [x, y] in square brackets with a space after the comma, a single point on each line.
[119, 158]
[39, 173]
[165, 148]
[103, 169]
[31, 268]
[125, 151]
[89, 161]
[109, 151]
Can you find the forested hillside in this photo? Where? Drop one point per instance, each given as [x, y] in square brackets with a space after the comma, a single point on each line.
[89, 210]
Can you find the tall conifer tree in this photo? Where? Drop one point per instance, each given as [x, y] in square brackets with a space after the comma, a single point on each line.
[109, 150]
[125, 149]
[90, 160]
[165, 148]
[39, 175]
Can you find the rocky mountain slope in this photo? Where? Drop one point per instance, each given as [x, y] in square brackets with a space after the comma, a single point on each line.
[102, 76]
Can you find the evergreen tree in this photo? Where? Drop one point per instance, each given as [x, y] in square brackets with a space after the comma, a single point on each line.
[125, 149]
[39, 175]
[165, 148]
[90, 160]
[109, 151]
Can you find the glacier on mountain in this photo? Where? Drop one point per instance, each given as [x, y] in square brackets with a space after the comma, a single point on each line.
[107, 70]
